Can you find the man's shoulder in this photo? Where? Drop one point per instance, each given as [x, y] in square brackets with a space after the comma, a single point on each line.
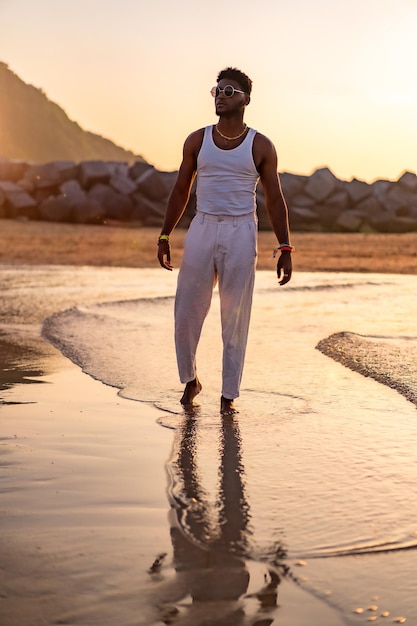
[195, 138]
[263, 145]
[196, 134]
[264, 152]
[262, 139]
[193, 143]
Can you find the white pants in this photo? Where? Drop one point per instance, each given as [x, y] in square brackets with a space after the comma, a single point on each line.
[223, 249]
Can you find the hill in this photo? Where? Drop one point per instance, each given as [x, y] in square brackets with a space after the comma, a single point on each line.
[32, 128]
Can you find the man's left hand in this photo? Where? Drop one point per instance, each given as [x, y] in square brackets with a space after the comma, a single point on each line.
[284, 267]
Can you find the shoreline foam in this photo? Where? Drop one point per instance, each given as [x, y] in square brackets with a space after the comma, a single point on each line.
[390, 361]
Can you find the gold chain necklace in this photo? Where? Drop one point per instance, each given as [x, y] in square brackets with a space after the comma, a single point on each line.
[232, 138]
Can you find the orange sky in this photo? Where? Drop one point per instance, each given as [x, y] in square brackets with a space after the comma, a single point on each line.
[333, 82]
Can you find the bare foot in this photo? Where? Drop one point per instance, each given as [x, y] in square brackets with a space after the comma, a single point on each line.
[191, 390]
[227, 407]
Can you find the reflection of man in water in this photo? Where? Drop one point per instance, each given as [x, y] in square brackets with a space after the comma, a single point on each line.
[209, 555]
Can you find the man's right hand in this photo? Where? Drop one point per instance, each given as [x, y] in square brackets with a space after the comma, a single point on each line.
[164, 255]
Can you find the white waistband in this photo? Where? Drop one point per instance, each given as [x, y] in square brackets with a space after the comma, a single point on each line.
[209, 217]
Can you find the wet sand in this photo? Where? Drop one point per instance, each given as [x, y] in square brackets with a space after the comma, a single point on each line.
[83, 492]
[84, 508]
[84, 505]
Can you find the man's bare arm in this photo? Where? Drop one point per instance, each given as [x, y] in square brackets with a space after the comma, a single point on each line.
[267, 164]
[179, 195]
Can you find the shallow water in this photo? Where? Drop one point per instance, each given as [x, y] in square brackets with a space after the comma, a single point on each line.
[315, 478]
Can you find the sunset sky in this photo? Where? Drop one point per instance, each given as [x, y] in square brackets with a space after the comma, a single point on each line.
[334, 81]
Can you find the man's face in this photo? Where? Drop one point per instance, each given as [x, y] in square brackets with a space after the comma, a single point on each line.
[228, 106]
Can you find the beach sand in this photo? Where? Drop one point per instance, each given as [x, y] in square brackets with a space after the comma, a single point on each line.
[84, 507]
[46, 243]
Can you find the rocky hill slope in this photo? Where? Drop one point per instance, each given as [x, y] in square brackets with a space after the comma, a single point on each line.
[32, 128]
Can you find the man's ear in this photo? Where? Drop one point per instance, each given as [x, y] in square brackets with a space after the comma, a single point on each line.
[247, 99]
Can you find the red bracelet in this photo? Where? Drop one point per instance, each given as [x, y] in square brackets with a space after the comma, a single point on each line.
[285, 246]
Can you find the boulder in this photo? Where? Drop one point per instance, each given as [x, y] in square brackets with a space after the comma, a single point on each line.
[67, 170]
[44, 176]
[18, 203]
[147, 212]
[39, 195]
[409, 181]
[380, 189]
[291, 184]
[12, 170]
[115, 167]
[349, 221]
[21, 205]
[138, 168]
[61, 208]
[88, 212]
[339, 198]
[369, 206]
[114, 205]
[391, 223]
[358, 190]
[122, 184]
[55, 209]
[405, 200]
[382, 222]
[72, 191]
[8, 187]
[151, 184]
[303, 201]
[93, 172]
[304, 219]
[122, 169]
[321, 184]
[27, 185]
[327, 215]
[412, 210]
[393, 197]
[74, 205]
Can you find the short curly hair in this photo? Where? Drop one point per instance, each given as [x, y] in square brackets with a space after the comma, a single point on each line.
[240, 77]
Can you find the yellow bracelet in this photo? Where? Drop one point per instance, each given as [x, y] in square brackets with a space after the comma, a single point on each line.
[163, 238]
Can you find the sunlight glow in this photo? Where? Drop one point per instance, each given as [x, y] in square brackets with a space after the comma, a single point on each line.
[333, 83]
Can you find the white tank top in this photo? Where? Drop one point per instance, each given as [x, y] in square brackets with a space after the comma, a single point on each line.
[226, 179]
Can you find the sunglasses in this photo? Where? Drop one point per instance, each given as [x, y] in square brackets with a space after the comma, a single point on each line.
[228, 91]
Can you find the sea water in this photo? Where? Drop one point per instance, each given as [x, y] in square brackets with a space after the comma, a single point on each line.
[315, 478]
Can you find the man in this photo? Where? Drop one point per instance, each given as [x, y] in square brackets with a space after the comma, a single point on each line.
[221, 244]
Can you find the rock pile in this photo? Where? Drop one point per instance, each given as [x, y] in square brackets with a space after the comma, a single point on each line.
[322, 202]
[100, 191]
[90, 192]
